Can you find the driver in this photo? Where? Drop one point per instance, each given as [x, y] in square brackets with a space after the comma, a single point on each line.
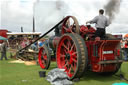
[101, 22]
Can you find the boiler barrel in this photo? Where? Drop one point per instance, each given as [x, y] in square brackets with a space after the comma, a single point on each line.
[53, 41]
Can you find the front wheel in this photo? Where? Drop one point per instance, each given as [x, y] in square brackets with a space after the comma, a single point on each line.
[44, 57]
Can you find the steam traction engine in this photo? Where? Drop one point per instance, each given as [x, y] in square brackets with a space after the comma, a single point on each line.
[77, 50]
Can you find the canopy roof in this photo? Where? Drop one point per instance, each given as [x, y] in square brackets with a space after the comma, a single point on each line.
[24, 33]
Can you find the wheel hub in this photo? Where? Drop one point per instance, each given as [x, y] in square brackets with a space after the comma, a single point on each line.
[68, 56]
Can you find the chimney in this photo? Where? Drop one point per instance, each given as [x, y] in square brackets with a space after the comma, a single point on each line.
[21, 29]
[33, 24]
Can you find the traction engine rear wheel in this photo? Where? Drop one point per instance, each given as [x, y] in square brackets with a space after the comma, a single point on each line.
[44, 57]
[70, 25]
[72, 55]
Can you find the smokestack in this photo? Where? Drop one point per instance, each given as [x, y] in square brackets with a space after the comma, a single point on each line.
[21, 29]
[34, 4]
[112, 8]
[33, 24]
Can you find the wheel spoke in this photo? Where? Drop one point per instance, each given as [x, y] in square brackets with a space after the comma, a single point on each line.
[73, 67]
[75, 60]
[62, 56]
[72, 47]
[74, 53]
[71, 26]
[64, 51]
[44, 63]
[45, 57]
[69, 44]
[69, 70]
[66, 29]
[71, 29]
[43, 53]
[65, 47]
[65, 64]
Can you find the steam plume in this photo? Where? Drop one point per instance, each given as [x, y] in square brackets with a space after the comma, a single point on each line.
[112, 8]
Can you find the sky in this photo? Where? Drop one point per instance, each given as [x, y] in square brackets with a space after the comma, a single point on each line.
[15, 14]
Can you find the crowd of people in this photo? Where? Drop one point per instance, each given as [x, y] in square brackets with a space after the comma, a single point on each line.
[34, 46]
[26, 41]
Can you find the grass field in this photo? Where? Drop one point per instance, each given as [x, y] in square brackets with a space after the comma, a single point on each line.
[20, 74]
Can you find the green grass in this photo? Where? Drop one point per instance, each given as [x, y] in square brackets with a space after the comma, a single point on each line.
[92, 78]
[20, 74]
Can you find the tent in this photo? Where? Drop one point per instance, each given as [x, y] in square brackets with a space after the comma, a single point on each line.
[2, 38]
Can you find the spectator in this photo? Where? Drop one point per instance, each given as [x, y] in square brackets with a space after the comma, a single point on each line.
[3, 50]
[23, 44]
[126, 50]
[41, 43]
[122, 43]
[34, 46]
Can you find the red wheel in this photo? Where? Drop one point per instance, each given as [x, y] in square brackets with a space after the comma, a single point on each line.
[70, 25]
[72, 55]
[44, 57]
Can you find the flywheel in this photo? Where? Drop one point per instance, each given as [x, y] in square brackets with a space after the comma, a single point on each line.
[70, 25]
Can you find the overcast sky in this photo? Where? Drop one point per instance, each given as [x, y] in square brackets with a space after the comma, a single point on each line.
[17, 13]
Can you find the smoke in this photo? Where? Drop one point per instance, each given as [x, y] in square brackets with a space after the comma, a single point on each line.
[17, 13]
[112, 8]
[49, 13]
[59, 4]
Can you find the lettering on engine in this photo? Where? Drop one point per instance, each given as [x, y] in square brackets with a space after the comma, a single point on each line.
[107, 52]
